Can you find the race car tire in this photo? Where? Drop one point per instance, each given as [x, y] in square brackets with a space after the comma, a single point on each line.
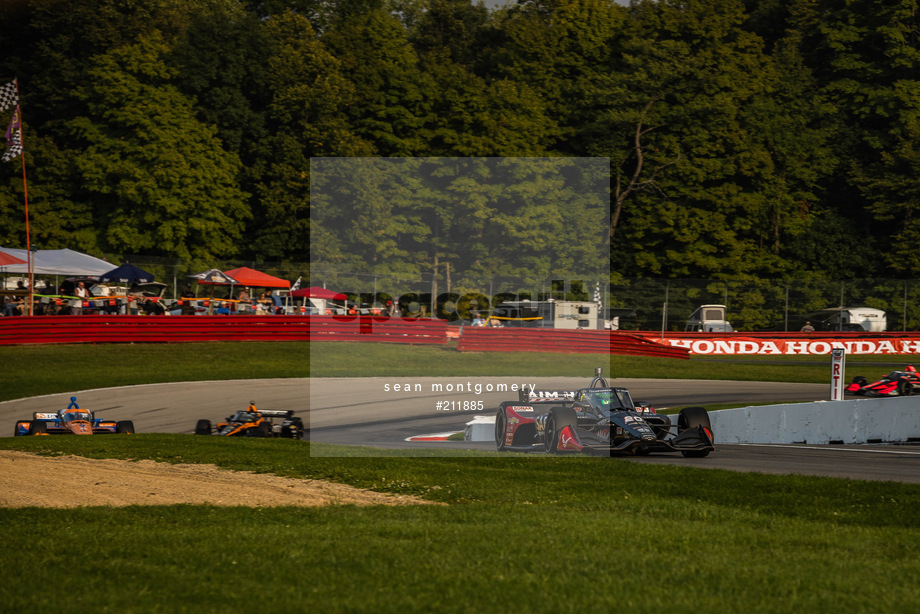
[37, 427]
[203, 427]
[693, 417]
[860, 380]
[264, 430]
[558, 419]
[500, 425]
[905, 389]
[124, 427]
[294, 430]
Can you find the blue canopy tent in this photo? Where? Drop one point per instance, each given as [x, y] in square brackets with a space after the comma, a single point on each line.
[126, 274]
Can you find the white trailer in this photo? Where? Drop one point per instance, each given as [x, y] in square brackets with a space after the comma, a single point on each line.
[857, 319]
[571, 315]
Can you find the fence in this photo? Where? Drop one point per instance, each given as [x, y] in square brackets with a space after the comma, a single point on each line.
[760, 304]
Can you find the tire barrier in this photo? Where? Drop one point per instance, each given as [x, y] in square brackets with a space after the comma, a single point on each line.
[197, 329]
[474, 339]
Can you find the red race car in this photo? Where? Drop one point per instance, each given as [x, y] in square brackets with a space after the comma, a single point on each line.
[897, 383]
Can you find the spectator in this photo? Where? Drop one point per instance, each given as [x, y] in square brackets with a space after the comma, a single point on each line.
[244, 302]
[263, 305]
[82, 294]
[13, 307]
[808, 328]
[134, 296]
[224, 309]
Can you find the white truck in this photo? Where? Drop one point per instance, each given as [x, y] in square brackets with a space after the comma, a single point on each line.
[709, 319]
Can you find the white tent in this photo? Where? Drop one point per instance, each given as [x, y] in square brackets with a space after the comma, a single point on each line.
[65, 262]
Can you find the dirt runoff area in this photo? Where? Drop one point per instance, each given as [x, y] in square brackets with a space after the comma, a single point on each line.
[70, 481]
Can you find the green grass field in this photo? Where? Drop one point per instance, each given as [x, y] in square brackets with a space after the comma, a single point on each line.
[518, 533]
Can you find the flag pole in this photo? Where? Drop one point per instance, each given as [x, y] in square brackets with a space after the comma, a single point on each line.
[25, 192]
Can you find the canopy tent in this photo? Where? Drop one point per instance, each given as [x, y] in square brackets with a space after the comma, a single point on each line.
[250, 277]
[317, 292]
[64, 262]
[127, 274]
[8, 259]
[215, 277]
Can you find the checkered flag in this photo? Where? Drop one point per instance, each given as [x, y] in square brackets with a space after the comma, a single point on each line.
[13, 138]
[597, 297]
[9, 95]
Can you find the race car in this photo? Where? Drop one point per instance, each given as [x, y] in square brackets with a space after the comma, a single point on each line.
[598, 419]
[897, 383]
[71, 421]
[254, 422]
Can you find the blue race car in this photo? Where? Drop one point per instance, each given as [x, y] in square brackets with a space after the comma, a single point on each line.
[71, 421]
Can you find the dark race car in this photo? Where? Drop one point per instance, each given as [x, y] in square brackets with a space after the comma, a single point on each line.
[599, 419]
[71, 421]
[255, 422]
[897, 383]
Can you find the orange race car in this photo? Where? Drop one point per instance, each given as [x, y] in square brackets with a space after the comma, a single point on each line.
[254, 422]
[71, 421]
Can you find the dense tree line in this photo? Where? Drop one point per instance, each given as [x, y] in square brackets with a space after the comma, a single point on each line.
[747, 138]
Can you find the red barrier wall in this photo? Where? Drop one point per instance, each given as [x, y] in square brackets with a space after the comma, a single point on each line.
[561, 341]
[187, 329]
[790, 344]
[377, 329]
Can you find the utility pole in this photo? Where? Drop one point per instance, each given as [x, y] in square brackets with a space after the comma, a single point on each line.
[434, 285]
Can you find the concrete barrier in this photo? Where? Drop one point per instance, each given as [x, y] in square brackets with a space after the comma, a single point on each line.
[480, 428]
[890, 420]
[850, 421]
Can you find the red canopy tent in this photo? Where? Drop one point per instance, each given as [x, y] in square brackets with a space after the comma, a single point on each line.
[245, 276]
[317, 292]
[7, 259]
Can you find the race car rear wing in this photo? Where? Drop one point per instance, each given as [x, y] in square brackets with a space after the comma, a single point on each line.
[546, 396]
[277, 413]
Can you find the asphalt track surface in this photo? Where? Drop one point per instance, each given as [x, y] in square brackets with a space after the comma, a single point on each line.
[363, 412]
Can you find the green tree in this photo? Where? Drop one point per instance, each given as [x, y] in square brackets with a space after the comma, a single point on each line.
[307, 117]
[866, 58]
[704, 179]
[162, 183]
[391, 92]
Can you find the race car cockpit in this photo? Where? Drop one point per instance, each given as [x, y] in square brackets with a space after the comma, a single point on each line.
[603, 401]
[72, 415]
